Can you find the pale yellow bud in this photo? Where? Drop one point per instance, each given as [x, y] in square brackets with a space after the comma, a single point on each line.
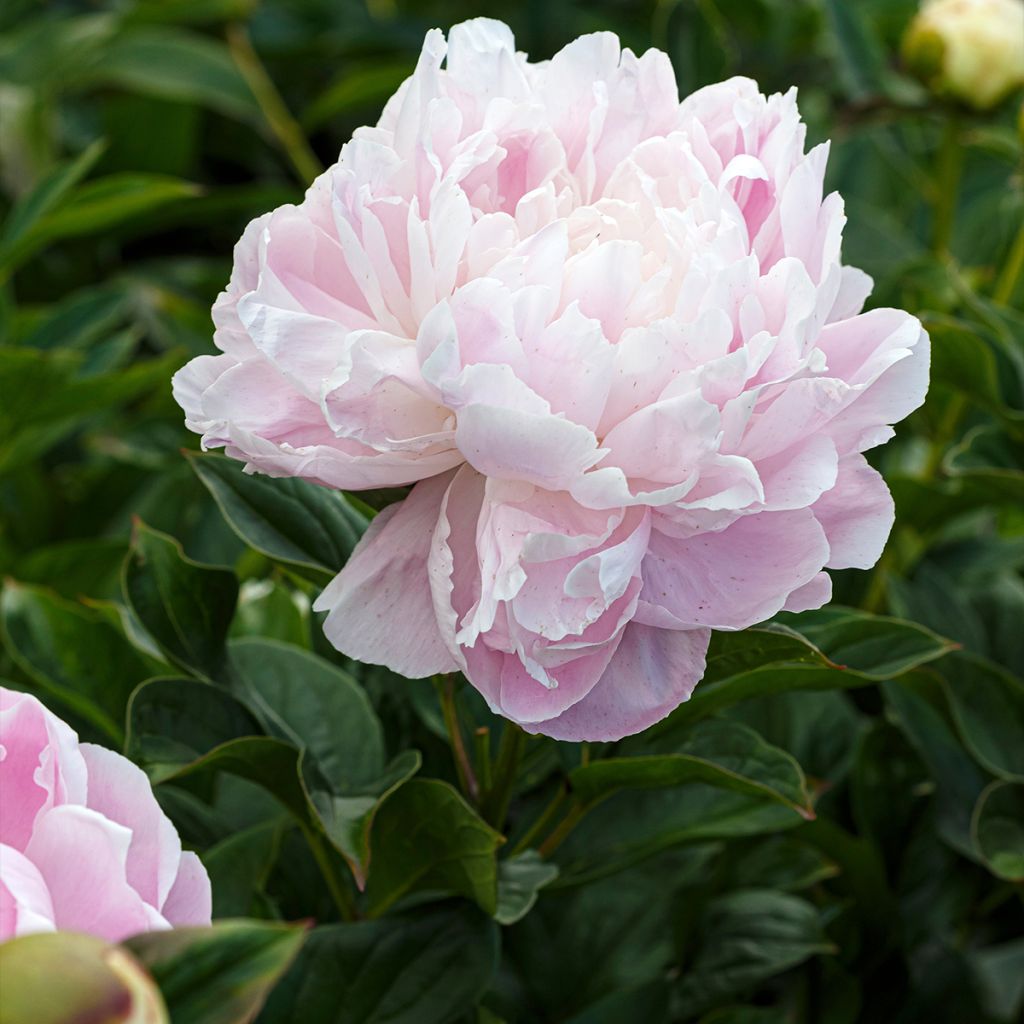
[968, 50]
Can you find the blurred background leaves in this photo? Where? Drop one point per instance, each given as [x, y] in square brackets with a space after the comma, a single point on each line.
[161, 603]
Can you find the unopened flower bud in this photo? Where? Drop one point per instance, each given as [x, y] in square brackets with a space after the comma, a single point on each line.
[968, 50]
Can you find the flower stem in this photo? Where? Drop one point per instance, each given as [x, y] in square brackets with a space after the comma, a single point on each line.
[340, 895]
[482, 758]
[542, 822]
[280, 121]
[510, 752]
[950, 167]
[463, 767]
[1011, 270]
[561, 833]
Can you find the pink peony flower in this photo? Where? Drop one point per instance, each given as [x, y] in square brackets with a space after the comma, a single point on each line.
[84, 845]
[610, 335]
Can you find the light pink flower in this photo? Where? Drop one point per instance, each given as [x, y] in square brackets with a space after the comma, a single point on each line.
[84, 845]
[610, 335]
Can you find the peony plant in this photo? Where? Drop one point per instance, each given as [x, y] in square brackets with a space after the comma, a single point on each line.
[608, 337]
[84, 846]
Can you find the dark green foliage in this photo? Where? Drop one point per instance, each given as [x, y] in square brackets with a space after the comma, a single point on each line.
[831, 831]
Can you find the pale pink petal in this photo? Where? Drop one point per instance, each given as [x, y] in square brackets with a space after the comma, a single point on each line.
[120, 791]
[95, 897]
[25, 903]
[857, 515]
[190, 900]
[811, 595]
[379, 606]
[40, 766]
[652, 672]
[735, 578]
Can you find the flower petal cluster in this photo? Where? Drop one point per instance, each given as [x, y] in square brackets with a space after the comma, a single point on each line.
[84, 846]
[607, 335]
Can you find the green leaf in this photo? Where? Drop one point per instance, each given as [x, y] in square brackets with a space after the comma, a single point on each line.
[186, 607]
[861, 60]
[270, 608]
[999, 971]
[988, 707]
[239, 867]
[299, 524]
[717, 752]
[47, 194]
[426, 836]
[315, 706]
[61, 977]
[874, 646]
[46, 395]
[357, 89]
[582, 945]
[998, 829]
[648, 1002]
[958, 781]
[74, 653]
[748, 936]
[633, 825]
[173, 722]
[218, 975]
[783, 863]
[96, 206]
[180, 65]
[348, 818]
[520, 879]
[424, 967]
[835, 649]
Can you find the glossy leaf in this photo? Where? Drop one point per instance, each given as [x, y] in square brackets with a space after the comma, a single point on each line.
[426, 836]
[218, 975]
[180, 65]
[74, 653]
[520, 879]
[834, 649]
[748, 936]
[423, 967]
[291, 521]
[185, 606]
[988, 706]
[998, 829]
[718, 753]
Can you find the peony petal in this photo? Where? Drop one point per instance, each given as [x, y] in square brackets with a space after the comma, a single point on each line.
[652, 672]
[379, 606]
[121, 792]
[25, 903]
[190, 900]
[742, 575]
[40, 766]
[856, 515]
[95, 897]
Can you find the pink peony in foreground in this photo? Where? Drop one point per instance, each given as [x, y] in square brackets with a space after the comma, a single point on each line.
[84, 845]
[607, 335]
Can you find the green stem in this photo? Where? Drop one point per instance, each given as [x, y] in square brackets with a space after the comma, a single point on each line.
[340, 895]
[482, 758]
[1011, 270]
[950, 167]
[279, 119]
[542, 822]
[561, 833]
[463, 768]
[510, 751]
